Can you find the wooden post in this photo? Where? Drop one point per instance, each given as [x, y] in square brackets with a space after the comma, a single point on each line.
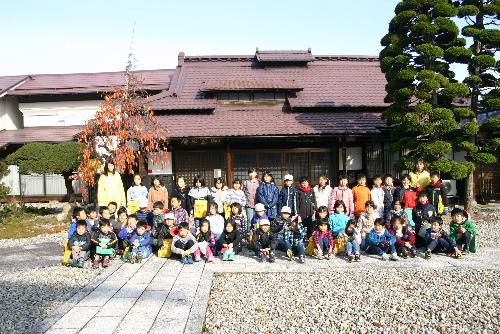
[229, 165]
[344, 156]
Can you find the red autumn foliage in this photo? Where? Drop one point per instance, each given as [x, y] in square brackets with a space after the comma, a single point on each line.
[125, 128]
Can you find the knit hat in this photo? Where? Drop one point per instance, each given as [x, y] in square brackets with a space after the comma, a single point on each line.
[286, 209]
[170, 215]
[260, 207]
[264, 222]
[143, 203]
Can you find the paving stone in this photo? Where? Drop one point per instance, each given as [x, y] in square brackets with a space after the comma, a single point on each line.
[136, 323]
[62, 331]
[77, 317]
[101, 325]
[98, 297]
[131, 290]
[117, 307]
[150, 302]
[168, 325]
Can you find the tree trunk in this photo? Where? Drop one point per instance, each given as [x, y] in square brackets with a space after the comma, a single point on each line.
[70, 193]
[469, 192]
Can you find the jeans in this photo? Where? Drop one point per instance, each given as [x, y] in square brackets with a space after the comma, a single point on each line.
[298, 249]
[250, 213]
[324, 245]
[80, 256]
[381, 250]
[440, 244]
[352, 246]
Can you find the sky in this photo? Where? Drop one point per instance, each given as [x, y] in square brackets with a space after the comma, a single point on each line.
[95, 36]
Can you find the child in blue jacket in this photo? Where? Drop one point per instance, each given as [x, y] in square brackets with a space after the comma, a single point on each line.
[141, 242]
[380, 241]
[267, 194]
[288, 195]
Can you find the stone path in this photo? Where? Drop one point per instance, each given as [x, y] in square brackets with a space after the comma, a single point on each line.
[30, 256]
[162, 295]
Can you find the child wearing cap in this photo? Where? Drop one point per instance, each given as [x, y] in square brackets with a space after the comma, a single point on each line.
[206, 242]
[438, 240]
[405, 239]
[463, 231]
[287, 195]
[79, 244]
[141, 243]
[215, 219]
[181, 215]
[104, 240]
[260, 213]
[264, 241]
[324, 242]
[379, 241]
[163, 235]
[352, 239]
[229, 242]
[144, 214]
[343, 193]
[135, 194]
[294, 238]
[184, 244]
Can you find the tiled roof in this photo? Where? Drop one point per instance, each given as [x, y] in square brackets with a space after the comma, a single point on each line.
[44, 134]
[284, 56]
[79, 83]
[7, 83]
[269, 121]
[243, 84]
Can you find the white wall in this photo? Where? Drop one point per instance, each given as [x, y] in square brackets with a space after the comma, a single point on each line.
[10, 116]
[58, 113]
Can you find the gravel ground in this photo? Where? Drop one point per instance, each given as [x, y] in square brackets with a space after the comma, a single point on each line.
[56, 237]
[396, 301]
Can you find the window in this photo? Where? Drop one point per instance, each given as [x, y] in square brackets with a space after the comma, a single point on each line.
[189, 163]
[251, 96]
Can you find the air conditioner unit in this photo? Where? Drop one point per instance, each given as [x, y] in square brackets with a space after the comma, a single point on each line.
[450, 187]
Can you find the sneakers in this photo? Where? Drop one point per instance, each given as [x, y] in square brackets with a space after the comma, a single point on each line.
[184, 260]
[210, 258]
[289, 253]
[394, 257]
[139, 257]
[357, 257]
[327, 257]
[404, 254]
[225, 256]
[301, 259]
[197, 257]
[385, 257]
[428, 254]
[80, 264]
[458, 255]
[230, 256]
[413, 252]
[350, 258]
[132, 257]
[95, 264]
[263, 258]
[272, 257]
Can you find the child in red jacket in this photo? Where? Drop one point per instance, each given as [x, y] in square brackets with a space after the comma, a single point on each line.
[405, 239]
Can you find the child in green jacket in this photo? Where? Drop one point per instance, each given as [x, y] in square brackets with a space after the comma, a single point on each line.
[463, 231]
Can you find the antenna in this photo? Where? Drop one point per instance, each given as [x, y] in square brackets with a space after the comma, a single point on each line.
[130, 59]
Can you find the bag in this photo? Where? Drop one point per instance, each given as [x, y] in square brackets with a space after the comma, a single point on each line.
[310, 247]
[166, 250]
[200, 208]
[340, 245]
[104, 251]
[67, 253]
[423, 228]
[133, 207]
[227, 210]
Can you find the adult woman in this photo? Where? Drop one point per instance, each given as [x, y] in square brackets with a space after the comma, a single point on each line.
[157, 193]
[420, 177]
[110, 187]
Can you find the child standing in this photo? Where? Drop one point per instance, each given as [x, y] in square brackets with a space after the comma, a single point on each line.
[405, 239]
[199, 196]
[181, 190]
[250, 187]
[206, 242]
[408, 196]
[438, 240]
[215, 219]
[390, 194]
[366, 221]
[184, 244]
[436, 194]
[380, 241]
[141, 242]
[463, 231]
[378, 195]
[267, 194]
[323, 240]
[135, 194]
[322, 191]
[343, 193]
[219, 195]
[306, 204]
[229, 242]
[338, 219]
[352, 239]
[180, 214]
[264, 241]
[361, 194]
[288, 195]
[294, 237]
[79, 244]
[236, 195]
[104, 240]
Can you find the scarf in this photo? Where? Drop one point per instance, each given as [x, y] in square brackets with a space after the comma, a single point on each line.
[304, 189]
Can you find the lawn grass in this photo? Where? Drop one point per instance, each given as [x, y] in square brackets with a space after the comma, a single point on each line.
[25, 225]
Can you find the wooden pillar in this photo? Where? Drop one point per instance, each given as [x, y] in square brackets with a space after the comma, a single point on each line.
[229, 165]
[344, 156]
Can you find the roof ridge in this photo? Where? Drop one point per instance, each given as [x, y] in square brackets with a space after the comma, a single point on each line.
[77, 73]
[223, 58]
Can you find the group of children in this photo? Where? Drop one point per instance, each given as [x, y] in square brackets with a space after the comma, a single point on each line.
[322, 221]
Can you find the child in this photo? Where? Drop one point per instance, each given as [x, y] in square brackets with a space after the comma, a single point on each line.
[338, 219]
[141, 242]
[321, 213]
[438, 240]
[294, 237]
[163, 234]
[361, 194]
[405, 239]
[390, 194]
[112, 206]
[158, 215]
[377, 193]
[121, 223]
[181, 215]
[229, 242]
[264, 241]
[91, 215]
[144, 214]
[135, 194]
[280, 225]
[343, 193]
[366, 221]
[398, 211]
[127, 231]
[181, 191]
[238, 219]
[219, 195]
[288, 195]
[352, 239]
[260, 213]
[421, 214]
[436, 194]
[215, 219]
[380, 241]
[463, 231]
[104, 240]
[199, 196]
[236, 195]
[206, 242]
[322, 191]
[408, 195]
[306, 204]
[184, 244]
[79, 244]
[323, 240]
[267, 194]
[78, 214]
[250, 187]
